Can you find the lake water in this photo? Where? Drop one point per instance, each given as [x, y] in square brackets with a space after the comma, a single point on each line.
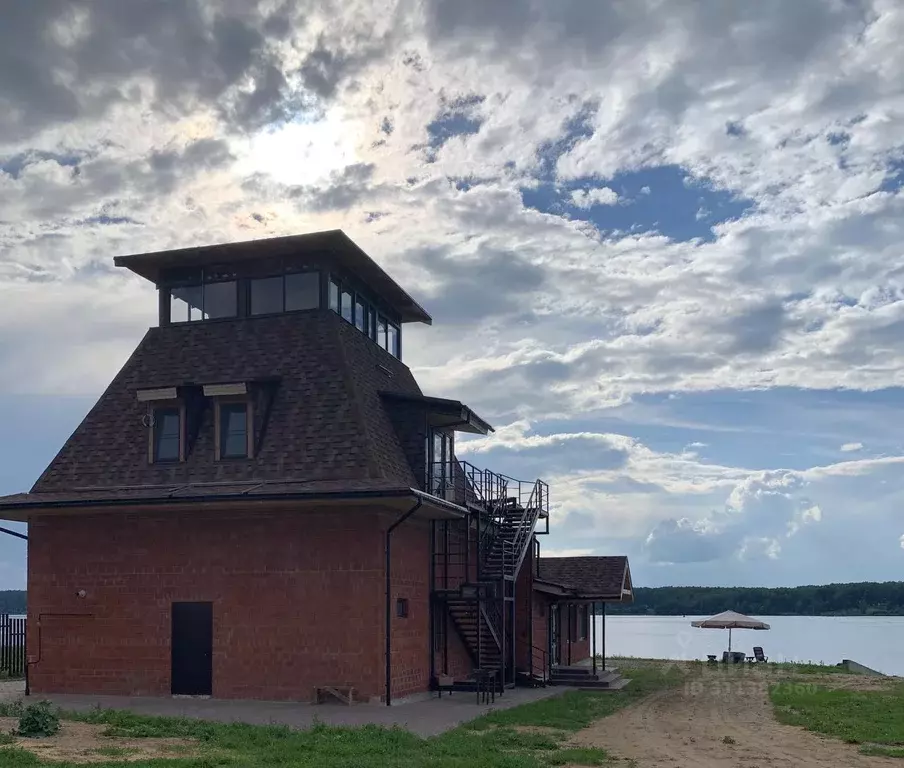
[876, 641]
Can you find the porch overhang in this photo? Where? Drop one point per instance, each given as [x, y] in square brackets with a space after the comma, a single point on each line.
[443, 413]
[547, 587]
[589, 579]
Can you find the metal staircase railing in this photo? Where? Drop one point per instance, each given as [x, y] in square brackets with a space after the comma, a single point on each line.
[506, 512]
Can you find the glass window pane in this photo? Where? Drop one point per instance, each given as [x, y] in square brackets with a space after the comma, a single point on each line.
[360, 317]
[178, 307]
[392, 341]
[266, 296]
[185, 304]
[334, 296]
[347, 306]
[167, 434]
[220, 300]
[381, 332]
[302, 291]
[233, 430]
[373, 324]
[437, 467]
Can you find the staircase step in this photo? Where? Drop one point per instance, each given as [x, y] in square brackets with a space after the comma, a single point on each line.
[560, 670]
[575, 677]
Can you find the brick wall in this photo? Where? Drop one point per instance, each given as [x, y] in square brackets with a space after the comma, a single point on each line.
[541, 626]
[411, 635]
[454, 658]
[298, 600]
[523, 599]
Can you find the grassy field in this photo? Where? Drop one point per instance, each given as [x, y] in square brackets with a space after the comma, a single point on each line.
[530, 736]
[872, 718]
[799, 668]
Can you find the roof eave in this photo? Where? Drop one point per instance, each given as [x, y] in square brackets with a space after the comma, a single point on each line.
[467, 419]
[349, 254]
[437, 508]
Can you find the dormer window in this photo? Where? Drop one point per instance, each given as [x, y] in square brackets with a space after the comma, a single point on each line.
[167, 434]
[234, 434]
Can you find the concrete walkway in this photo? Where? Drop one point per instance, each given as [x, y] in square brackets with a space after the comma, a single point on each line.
[11, 689]
[427, 717]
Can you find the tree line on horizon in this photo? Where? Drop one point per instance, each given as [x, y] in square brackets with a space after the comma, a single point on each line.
[868, 598]
[12, 601]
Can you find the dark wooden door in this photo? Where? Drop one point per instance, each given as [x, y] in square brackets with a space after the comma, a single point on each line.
[192, 649]
[554, 628]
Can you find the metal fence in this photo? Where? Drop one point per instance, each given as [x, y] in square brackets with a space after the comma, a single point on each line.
[12, 646]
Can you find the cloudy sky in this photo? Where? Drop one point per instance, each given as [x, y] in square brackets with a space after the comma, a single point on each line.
[663, 242]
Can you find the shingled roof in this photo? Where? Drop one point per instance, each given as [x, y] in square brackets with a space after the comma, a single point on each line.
[605, 578]
[327, 427]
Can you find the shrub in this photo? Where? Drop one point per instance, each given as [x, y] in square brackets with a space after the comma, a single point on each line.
[39, 719]
[6, 738]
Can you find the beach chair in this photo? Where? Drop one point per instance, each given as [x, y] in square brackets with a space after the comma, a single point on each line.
[758, 655]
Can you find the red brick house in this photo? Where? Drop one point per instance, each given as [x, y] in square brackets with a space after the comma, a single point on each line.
[263, 502]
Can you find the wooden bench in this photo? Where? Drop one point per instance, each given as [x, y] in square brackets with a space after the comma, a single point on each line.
[345, 694]
[444, 683]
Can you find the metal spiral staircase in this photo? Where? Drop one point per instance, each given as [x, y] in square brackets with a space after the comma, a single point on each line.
[478, 560]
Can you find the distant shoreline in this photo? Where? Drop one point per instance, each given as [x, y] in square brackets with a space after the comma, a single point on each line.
[866, 598]
[640, 615]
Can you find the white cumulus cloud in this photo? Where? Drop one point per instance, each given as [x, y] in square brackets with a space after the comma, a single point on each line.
[586, 198]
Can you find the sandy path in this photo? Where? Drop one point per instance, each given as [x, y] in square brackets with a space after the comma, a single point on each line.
[710, 723]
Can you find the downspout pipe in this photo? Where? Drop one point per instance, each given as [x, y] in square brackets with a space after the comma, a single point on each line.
[14, 533]
[389, 532]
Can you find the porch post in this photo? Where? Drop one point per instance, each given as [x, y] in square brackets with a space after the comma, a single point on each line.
[592, 609]
[603, 654]
[570, 630]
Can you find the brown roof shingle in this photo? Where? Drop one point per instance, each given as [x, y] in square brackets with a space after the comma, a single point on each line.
[326, 423]
[600, 577]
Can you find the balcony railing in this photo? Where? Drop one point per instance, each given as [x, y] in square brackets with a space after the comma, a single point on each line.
[466, 485]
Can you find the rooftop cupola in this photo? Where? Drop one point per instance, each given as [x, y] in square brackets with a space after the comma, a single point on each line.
[295, 274]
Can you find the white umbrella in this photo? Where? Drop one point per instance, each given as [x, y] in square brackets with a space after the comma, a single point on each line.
[730, 620]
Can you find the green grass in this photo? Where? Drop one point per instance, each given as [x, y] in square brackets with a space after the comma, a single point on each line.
[875, 750]
[10, 708]
[800, 668]
[808, 668]
[113, 751]
[504, 739]
[874, 718]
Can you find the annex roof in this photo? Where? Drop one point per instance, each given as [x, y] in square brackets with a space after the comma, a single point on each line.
[605, 578]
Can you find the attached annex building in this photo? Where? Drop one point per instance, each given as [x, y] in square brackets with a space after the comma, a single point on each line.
[263, 502]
